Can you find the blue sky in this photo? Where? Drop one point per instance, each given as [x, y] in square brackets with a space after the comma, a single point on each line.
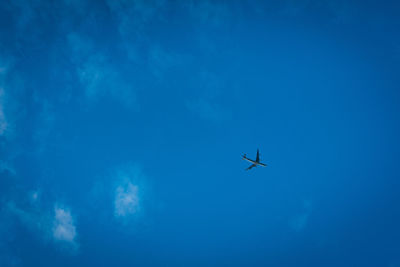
[122, 125]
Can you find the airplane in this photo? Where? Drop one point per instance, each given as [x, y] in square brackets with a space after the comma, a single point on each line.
[255, 162]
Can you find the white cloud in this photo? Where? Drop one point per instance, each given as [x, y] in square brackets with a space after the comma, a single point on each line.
[130, 193]
[126, 200]
[63, 226]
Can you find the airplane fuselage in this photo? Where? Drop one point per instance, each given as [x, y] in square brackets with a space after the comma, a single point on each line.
[254, 162]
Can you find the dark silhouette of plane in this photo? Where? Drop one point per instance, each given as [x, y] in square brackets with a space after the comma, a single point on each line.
[255, 163]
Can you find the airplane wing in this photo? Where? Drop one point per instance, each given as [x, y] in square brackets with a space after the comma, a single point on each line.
[258, 156]
[251, 166]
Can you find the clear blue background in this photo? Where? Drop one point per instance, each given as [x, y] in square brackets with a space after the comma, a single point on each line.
[172, 93]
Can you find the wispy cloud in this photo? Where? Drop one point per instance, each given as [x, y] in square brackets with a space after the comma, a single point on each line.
[46, 117]
[206, 105]
[35, 196]
[161, 61]
[300, 221]
[8, 256]
[133, 16]
[207, 110]
[58, 226]
[214, 13]
[3, 120]
[98, 76]
[7, 167]
[134, 20]
[11, 87]
[35, 220]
